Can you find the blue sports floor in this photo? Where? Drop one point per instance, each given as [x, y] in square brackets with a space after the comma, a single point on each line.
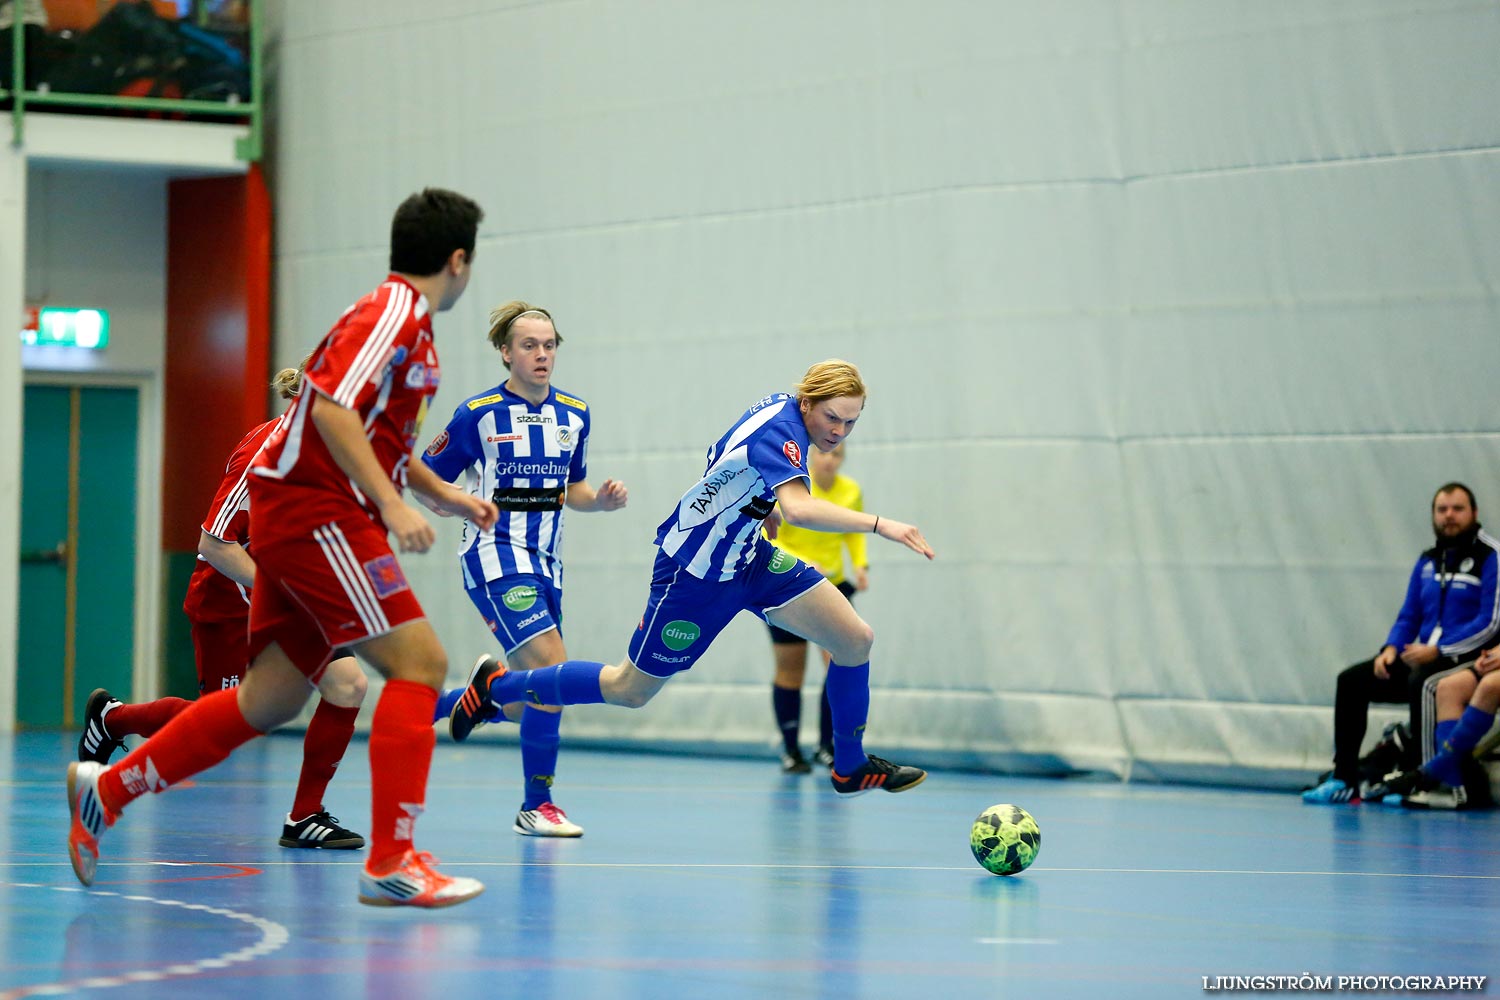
[722, 878]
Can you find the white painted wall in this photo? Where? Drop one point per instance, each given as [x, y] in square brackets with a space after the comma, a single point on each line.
[1173, 315]
[12, 300]
[83, 222]
[98, 238]
[93, 237]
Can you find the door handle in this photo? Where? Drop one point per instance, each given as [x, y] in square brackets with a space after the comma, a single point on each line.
[57, 555]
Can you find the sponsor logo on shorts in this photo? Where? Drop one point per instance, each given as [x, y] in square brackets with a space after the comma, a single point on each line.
[439, 443]
[385, 573]
[519, 598]
[781, 562]
[793, 454]
[572, 401]
[679, 635]
[671, 659]
[532, 620]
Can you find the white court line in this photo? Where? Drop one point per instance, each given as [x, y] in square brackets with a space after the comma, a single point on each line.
[272, 936]
[668, 866]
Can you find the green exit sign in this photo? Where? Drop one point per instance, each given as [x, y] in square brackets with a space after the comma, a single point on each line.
[83, 328]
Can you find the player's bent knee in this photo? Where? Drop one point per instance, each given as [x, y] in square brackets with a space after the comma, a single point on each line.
[626, 696]
[266, 706]
[344, 684]
[854, 647]
[628, 687]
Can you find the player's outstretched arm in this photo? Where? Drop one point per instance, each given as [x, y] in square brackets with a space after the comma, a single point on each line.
[799, 507]
[907, 534]
[343, 432]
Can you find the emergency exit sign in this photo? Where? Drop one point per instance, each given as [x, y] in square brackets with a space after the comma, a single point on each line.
[56, 327]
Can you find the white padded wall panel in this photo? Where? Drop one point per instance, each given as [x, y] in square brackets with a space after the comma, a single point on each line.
[1173, 314]
[1228, 85]
[1332, 233]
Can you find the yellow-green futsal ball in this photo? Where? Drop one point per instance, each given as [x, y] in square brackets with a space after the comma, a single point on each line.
[1005, 839]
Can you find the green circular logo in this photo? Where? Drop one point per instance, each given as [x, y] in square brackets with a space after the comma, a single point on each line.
[679, 635]
[520, 598]
[781, 562]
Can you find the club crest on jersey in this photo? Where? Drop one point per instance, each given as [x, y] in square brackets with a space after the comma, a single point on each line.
[565, 437]
[393, 357]
[438, 443]
[385, 573]
[793, 454]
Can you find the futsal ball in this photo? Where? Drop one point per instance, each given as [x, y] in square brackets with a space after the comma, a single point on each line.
[1005, 839]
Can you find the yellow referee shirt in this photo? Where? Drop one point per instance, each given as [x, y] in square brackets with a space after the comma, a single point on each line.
[824, 549]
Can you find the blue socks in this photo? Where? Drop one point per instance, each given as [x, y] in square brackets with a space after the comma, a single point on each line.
[446, 700]
[539, 743]
[848, 691]
[1459, 740]
[449, 698]
[575, 682]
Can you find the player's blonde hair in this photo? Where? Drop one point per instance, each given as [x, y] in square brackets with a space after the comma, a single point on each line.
[830, 379]
[503, 317]
[288, 381]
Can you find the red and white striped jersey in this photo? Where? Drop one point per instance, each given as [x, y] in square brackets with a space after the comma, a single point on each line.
[212, 596]
[378, 361]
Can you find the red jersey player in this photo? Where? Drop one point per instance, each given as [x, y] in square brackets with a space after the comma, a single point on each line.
[324, 494]
[218, 605]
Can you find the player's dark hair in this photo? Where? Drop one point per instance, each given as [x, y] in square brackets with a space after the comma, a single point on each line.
[503, 317]
[1449, 488]
[428, 227]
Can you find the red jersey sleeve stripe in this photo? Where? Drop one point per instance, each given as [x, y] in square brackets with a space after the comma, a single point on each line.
[367, 362]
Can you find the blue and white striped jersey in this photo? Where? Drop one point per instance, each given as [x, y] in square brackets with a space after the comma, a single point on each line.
[508, 446]
[713, 529]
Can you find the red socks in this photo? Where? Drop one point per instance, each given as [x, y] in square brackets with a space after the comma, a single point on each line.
[144, 719]
[401, 742]
[203, 734]
[328, 736]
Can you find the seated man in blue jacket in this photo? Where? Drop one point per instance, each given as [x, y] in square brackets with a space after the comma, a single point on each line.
[1449, 615]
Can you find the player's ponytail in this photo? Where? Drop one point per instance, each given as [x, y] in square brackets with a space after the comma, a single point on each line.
[288, 381]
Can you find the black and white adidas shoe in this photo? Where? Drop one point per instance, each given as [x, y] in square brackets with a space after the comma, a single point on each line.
[320, 830]
[96, 744]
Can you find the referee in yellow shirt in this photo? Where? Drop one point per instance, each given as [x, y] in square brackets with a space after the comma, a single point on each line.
[825, 551]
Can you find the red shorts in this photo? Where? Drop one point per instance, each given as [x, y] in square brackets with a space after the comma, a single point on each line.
[221, 651]
[333, 584]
